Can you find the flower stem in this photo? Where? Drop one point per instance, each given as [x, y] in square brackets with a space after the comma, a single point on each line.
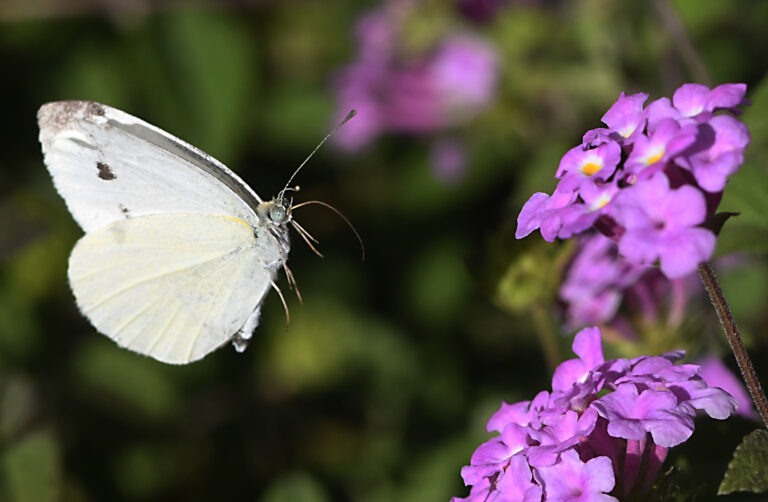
[734, 339]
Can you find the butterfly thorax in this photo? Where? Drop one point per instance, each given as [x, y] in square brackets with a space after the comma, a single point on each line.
[274, 216]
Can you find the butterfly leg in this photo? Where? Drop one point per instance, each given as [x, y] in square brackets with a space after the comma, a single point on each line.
[285, 305]
[243, 335]
[292, 281]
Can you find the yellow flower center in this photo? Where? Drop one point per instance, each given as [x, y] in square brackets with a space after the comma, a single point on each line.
[590, 168]
[655, 158]
[600, 202]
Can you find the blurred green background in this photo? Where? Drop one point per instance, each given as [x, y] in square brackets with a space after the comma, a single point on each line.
[381, 387]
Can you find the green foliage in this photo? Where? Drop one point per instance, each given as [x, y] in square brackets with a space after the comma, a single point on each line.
[119, 382]
[295, 487]
[31, 468]
[748, 471]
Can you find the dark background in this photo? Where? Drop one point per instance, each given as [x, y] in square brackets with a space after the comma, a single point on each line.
[381, 387]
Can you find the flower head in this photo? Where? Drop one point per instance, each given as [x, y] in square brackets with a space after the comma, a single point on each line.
[413, 93]
[603, 421]
[648, 181]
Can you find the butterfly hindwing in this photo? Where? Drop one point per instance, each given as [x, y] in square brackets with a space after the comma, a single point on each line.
[171, 286]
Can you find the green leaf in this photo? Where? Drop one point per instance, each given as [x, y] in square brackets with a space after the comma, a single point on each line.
[31, 469]
[748, 471]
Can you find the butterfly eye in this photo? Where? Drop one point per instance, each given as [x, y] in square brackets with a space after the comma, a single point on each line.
[277, 213]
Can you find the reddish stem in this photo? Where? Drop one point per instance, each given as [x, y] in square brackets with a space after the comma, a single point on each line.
[734, 339]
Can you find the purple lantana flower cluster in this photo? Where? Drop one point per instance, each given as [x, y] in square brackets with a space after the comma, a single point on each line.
[651, 180]
[601, 433]
[396, 91]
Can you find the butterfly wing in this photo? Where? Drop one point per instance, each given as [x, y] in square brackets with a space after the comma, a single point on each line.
[172, 286]
[109, 165]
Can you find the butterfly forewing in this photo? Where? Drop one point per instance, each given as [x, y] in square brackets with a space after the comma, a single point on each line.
[109, 166]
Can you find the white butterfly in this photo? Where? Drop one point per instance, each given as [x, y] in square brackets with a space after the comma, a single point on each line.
[179, 252]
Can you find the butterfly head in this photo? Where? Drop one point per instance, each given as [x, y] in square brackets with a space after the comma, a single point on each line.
[280, 211]
[276, 212]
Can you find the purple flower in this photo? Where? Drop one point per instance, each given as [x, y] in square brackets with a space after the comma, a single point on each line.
[586, 345]
[546, 213]
[491, 456]
[523, 413]
[697, 101]
[595, 281]
[631, 415]
[626, 116]
[423, 93]
[716, 374]
[588, 165]
[571, 480]
[668, 140]
[662, 224]
[717, 153]
[650, 181]
[560, 434]
[517, 482]
[463, 71]
[604, 420]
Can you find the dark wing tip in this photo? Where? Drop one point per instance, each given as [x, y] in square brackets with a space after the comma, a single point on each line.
[56, 115]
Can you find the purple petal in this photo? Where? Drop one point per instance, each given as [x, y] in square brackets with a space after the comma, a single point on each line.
[572, 476]
[680, 208]
[516, 483]
[464, 71]
[638, 247]
[508, 413]
[568, 373]
[672, 430]
[475, 474]
[659, 110]
[716, 374]
[588, 346]
[491, 452]
[682, 252]
[626, 115]
[530, 216]
[689, 99]
[725, 96]
[599, 471]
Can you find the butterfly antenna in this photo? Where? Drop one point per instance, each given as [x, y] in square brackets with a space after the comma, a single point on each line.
[325, 204]
[346, 119]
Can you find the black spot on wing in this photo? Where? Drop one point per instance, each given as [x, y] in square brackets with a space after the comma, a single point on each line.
[125, 211]
[105, 172]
